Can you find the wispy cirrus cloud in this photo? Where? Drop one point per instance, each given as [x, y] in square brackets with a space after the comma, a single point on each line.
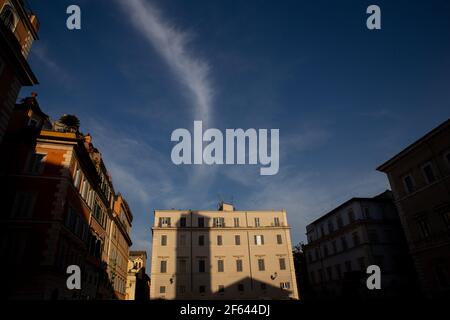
[145, 176]
[172, 44]
[41, 53]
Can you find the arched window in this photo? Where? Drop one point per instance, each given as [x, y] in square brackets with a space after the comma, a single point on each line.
[7, 16]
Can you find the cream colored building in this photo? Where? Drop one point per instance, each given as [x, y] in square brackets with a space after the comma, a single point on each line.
[224, 254]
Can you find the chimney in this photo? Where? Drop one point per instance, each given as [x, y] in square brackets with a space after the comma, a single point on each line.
[225, 206]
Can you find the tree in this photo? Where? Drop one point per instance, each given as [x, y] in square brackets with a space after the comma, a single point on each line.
[301, 272]
[70, 121]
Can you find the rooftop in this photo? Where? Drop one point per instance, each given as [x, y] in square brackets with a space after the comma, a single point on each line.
[414, 145]
[138, 253]
[382, 197]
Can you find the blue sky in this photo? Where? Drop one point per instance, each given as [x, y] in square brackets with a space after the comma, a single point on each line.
[344, 98]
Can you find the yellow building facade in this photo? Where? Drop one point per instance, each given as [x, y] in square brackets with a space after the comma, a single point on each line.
[223, 254]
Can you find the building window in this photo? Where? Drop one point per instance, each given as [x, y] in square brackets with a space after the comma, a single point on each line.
[77, 179]
[351, 215]
[366, 211]
[285, 285]
[36, 163]
[329, 273]
[428, 172]
[442, 275]
[23, 204]
[373, 236]
[423, 227]
[164, 240]
[321, 277]
[279, 239]
[330, 226]
[240, 287]
[183, 222]
[339, 221]
[8, 18]
[236, 222]
[259, 240]
[389, 234]
[182, 266]
[164, 222]
[362, 263]
[261, 265]
[201, 289]
[325, 250]
[334, 245]
[409, 183]
[162, 289]
[322, 231]
[317, 253]
[221, 289]
[348, 266]
[201, 266]
[220, 266]
[219, 240]
[201, 240]
[282, 262]
[237, 240]
[98, 213]
[182, 289]
[163, 266]
[201, 222]
[355, 237]
[219, 222]
[276, 221]
[257, 223]
[263, 286]
[239, 266]
[344, 243]
[71, 219]
[338, 271]
[182, 239]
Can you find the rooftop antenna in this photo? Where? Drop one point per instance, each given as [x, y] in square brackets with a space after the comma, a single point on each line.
[220, 203]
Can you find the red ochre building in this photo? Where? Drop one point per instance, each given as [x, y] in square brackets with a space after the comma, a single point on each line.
[59, 208]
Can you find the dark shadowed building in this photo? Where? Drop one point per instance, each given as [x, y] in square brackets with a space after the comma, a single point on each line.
[349, 238]
[420, 179]
[18, 30]
[138, 282]
[57, 200]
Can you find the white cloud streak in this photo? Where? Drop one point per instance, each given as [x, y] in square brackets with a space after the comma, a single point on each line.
[41, 53]
[172, 44]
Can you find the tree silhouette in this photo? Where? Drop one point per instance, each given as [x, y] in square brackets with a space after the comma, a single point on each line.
[70, 121]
